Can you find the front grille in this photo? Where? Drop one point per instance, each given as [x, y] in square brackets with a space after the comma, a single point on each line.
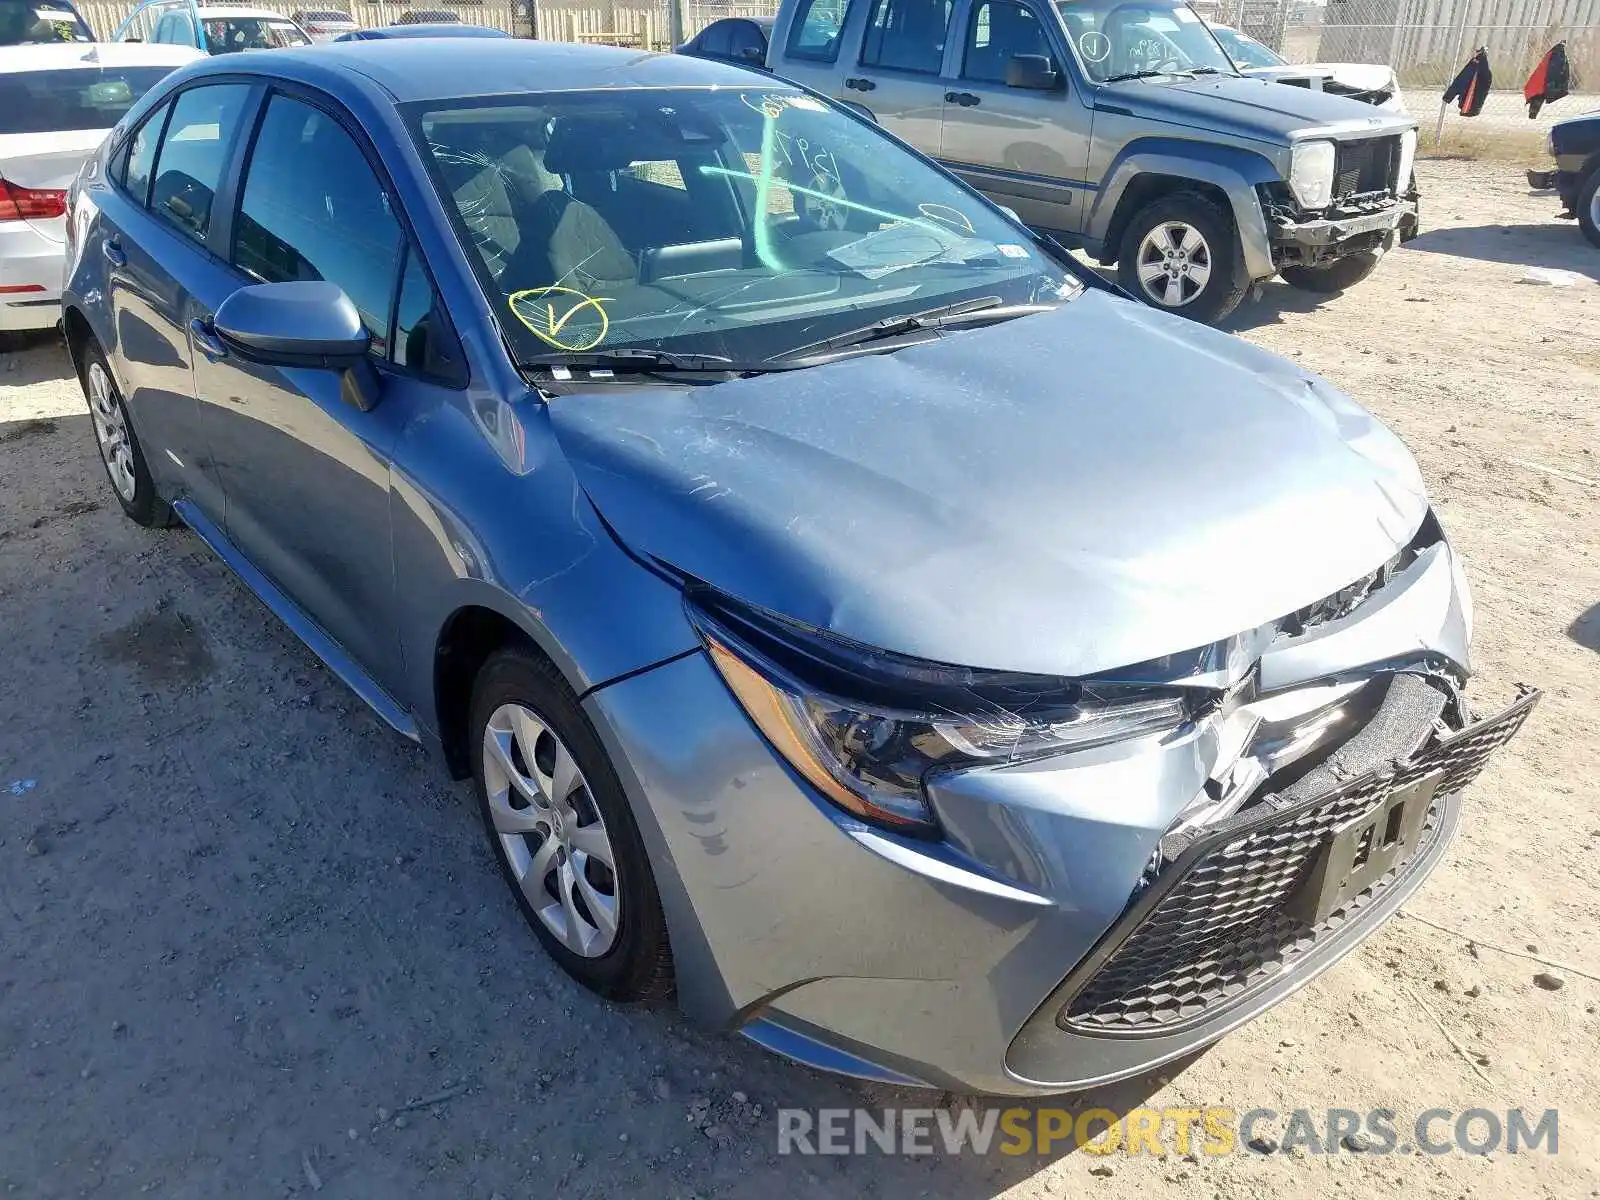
[1364, 166]
[1221, 920]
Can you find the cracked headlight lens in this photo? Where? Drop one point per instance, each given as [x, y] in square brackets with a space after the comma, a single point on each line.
[867, 728]
[1311, 173]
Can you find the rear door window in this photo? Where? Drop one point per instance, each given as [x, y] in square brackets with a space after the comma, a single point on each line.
[814, 34]
[312, 208]
[907, 35]
[747, 43]
[714, 39]
[203, 129]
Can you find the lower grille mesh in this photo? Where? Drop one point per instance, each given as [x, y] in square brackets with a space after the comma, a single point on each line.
[1221, 921]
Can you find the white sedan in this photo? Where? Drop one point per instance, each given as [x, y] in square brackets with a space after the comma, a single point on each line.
[1370, 83]
[57, 103]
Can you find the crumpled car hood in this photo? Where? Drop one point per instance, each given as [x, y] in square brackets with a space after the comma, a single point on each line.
[1065, 493]
[1257, 107]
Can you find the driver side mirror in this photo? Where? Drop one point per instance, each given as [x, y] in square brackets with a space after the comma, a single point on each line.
[301, 324]
[1032, 72]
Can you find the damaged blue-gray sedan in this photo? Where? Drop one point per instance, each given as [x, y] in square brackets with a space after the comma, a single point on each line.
[854, 616]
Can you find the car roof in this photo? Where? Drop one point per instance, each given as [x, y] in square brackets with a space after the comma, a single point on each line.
[61, 56]
[411, 69]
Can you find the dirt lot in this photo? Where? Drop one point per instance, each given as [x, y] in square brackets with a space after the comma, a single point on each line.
[244, 926]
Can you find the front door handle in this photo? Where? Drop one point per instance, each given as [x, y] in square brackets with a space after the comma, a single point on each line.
[860, 84]
[114, 253]
[965, 99]
[205, 336]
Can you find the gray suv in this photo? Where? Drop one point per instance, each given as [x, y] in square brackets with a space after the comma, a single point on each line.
[1123, 128]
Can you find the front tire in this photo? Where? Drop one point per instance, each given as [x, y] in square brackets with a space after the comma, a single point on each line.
[120, 451]
[1588, 207]
[1180, 254]
[559, 824]
[1334, 277]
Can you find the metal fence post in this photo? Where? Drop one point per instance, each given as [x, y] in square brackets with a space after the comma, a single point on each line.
[675, 21]
[1455, 60]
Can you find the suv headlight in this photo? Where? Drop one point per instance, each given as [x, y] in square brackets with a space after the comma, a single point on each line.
[868, 728]
[1311, 173]
[1408, 157]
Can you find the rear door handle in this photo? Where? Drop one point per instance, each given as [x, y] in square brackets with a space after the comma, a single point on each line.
[114, 253]
[859, 84]
[205, 336]
[965, 99]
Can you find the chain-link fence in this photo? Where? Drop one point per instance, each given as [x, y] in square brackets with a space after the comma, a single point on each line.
[1425, 42]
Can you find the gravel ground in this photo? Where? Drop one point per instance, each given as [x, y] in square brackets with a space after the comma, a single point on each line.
[255, 945]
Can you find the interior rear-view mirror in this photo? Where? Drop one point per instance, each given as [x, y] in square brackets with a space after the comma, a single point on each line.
[300, 324]
[1035, 72]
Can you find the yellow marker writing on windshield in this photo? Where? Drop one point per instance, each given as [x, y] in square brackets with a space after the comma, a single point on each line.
[567, 319]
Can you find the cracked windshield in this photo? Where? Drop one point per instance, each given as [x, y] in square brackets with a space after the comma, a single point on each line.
[739, 227]
[1116, 40]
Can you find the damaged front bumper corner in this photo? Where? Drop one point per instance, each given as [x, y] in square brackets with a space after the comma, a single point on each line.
[1300, 240]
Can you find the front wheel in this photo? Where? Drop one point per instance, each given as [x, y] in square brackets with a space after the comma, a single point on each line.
[560, 826]
[1180, 253]
[1588, 207]
[1332, 278]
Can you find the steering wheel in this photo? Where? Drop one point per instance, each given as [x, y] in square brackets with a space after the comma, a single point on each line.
[825, 211]
[1148, 50]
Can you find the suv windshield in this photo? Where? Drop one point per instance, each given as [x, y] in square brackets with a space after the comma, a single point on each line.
[745, 225]
[30, 23]
[1119, 39]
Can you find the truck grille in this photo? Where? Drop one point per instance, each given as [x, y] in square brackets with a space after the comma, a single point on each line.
[1223, 918]
[1365, 166]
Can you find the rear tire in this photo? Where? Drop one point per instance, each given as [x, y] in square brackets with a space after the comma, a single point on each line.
[1180, 254]
[1588, 207]
[1336, 276]
[554, 811]
[120, 451]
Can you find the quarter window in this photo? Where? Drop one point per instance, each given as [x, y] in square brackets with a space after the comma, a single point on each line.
[907, 35]
[141, 155]
[814, 34]
[423, 339]
[313, 209]
[204, 125]
[999, 31]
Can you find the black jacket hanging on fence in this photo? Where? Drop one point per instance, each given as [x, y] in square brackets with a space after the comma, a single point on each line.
[1550, 80]
[1472, 86]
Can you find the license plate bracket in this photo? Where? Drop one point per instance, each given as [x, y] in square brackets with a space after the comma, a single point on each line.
[1365, 849]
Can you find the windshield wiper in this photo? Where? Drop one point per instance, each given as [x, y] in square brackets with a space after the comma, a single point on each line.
[1161, 74]
[637, 358]
[967, 312]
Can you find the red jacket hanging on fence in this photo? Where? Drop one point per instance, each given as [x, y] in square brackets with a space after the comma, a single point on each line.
[1549, 81]
[1472, 85]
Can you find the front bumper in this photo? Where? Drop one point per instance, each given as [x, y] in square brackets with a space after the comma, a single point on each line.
[1308, 241]
[947, 964]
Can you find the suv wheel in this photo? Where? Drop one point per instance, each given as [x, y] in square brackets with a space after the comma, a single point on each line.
[1179, 253]
[1588, 207]
[120, 451]
[1334, 277]
[560, 826]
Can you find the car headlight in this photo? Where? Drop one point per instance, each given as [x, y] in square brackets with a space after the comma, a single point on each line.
[868, 728]
[1408, 157]
[1311, 173]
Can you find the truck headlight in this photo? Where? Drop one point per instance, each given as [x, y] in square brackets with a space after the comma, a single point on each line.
[1408, 156]
[867, 728]
[1311, 173]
